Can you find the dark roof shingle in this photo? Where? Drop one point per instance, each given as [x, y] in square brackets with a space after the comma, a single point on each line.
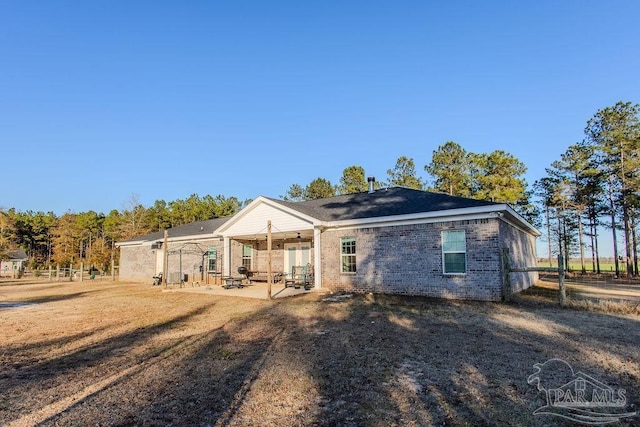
[16, 254]
[381, 203]
[194, 229]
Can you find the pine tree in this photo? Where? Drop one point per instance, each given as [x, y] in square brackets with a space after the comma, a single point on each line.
[451, 167]
[352, 180]
[614, 133]
[404, 174]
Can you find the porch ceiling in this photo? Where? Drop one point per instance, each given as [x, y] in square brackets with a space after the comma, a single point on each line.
[277, 235]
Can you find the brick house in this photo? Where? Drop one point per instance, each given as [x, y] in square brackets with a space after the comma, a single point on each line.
[393, 240]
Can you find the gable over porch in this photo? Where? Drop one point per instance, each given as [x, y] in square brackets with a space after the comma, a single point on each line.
[295, 240]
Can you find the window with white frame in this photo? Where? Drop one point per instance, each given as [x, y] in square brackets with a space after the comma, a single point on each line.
[247, 256]
[454, 252]
[213, 257]
[348, 254]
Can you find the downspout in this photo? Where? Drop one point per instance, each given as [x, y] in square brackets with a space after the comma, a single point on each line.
[226, 257]
[317, 258]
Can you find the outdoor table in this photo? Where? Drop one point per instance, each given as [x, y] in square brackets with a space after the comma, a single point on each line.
[233, 282]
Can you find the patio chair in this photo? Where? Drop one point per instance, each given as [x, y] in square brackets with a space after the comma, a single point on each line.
[157, 280]
[300, 276]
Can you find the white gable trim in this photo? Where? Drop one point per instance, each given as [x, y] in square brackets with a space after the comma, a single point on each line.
[461, 214]
[149, 242]
[264, 201]
[522, 223]
[479, 212]
[127, 244]
[208, 236]
[431, 220]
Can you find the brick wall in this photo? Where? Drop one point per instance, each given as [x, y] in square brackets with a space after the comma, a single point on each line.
[191, 259]
[137, 264]
[260, 258]
[407, 260]
[404, 259]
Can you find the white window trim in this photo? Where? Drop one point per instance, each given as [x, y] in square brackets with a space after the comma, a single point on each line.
[454, 252]
[249, 258]
[209, 258]
[343, 255]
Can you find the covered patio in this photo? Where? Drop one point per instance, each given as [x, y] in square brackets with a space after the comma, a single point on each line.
[267, 233]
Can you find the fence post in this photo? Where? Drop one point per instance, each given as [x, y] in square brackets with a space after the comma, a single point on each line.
[50, 272]
[165, 259]
[113, 271]
[82, 271]
[269, 277]
[506, 276]
[562, 294]
[57, 272]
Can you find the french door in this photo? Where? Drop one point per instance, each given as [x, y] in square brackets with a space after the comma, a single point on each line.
[296, 254]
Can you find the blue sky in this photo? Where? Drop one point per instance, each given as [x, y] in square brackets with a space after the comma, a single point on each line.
[102, 100]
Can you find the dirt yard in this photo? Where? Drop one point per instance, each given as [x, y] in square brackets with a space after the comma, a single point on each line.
[119, 354]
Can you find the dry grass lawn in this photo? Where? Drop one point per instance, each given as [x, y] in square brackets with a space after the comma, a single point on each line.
[120, 354]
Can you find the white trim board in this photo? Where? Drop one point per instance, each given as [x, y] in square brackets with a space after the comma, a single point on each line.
[392, 223]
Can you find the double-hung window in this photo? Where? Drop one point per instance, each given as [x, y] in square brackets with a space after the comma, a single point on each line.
[454, 252]
[348, 254]
[247, 256]
[213, 256]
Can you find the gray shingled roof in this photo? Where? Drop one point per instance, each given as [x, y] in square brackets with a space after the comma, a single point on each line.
[384, 202]
[194, 229]
[16, 254]
[381, 203]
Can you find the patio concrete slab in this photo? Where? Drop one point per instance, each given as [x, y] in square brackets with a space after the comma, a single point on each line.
[252, 290]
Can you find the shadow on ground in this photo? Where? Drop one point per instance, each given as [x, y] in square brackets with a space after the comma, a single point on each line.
[366, 360]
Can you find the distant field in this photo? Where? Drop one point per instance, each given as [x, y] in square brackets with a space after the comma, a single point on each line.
[575, 265]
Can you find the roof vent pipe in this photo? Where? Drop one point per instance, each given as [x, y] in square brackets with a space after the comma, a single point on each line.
[371, 180]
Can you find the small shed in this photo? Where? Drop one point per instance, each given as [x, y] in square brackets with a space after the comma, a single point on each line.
[13, 262]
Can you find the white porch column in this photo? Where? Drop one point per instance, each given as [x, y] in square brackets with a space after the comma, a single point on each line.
[317, 258]
[226, 257]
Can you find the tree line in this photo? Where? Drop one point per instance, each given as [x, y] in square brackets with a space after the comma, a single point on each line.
[89, 237]
[497, 176]
[594, 184]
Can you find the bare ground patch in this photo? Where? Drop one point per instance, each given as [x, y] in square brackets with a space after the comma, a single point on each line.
[105, 354]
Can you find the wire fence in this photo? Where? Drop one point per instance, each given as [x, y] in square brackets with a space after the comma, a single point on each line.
[65, 274]
[569, 284]
[602, 289]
